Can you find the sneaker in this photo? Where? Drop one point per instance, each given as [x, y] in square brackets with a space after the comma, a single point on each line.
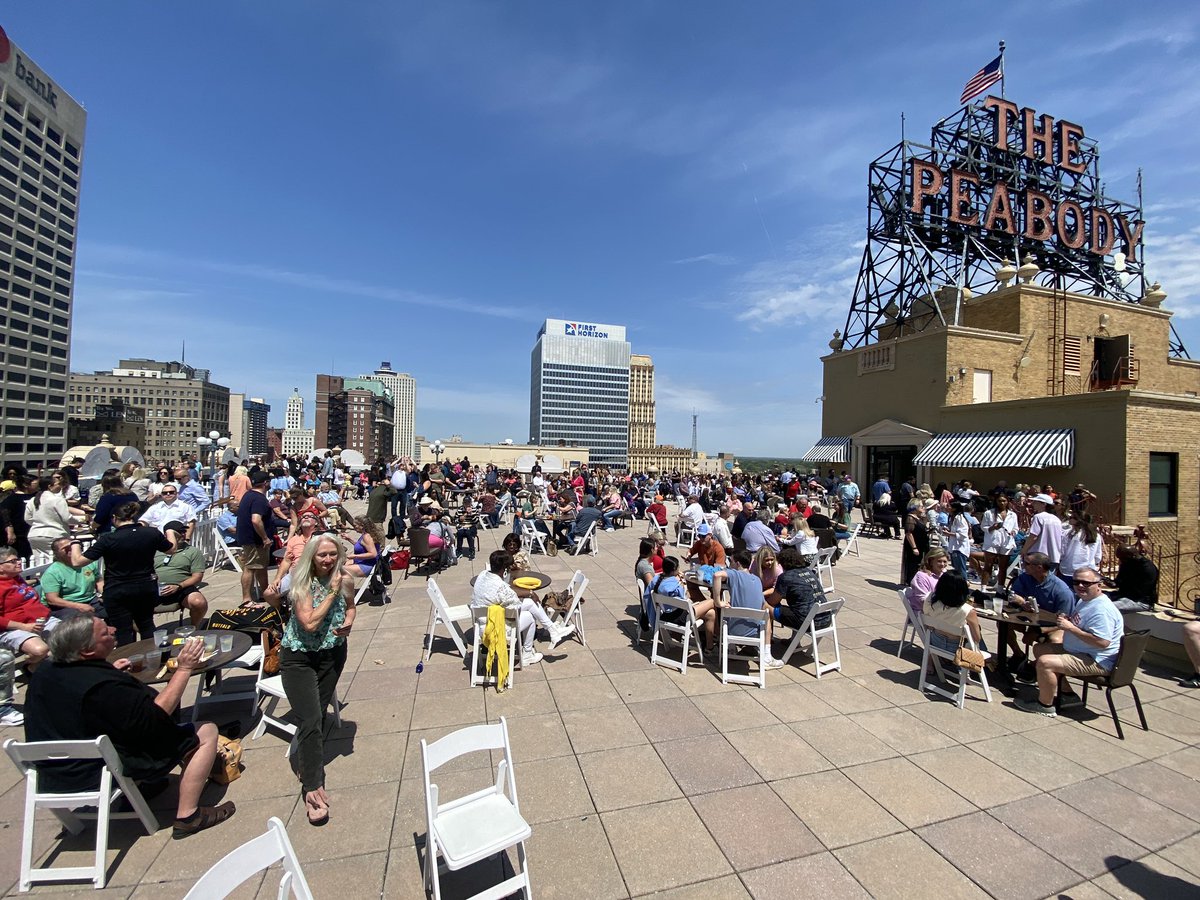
[559, 633]
[1193, 682]
[530, 657]
[1034, 706]
[772, 662]
[11, 716]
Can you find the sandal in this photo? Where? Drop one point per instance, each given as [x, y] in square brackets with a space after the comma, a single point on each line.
[204, 817]
[318, 806]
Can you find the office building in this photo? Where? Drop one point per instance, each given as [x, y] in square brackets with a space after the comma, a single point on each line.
[579, 389]
[403, 388]
[237, 431]
[181, 403]
[295, 440]
[641, 401]
[41, 152]
[254, 426]
[119, 424]
[355, 414]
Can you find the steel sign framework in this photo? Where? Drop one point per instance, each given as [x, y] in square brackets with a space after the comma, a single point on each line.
[993, 185]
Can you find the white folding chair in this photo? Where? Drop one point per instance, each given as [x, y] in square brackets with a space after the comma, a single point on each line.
[809, 627]
[669, 632]
[937, 655]
[532, 537]
[213, 693]
[452, 618]
[257, 854]
[271, 687]
[574, 613]
[224, 553]
[653, 529]
[503, 510]
[912, 620]
[731, 644]
[464, 831]
[686, 536]
[482, 675]
[380, 561]
[26, 756]
[825, 567]
[852, 540]
[588, 540]
[640, 589]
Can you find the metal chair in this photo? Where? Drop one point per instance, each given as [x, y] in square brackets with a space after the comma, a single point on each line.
[419, 549]
[1133, 646]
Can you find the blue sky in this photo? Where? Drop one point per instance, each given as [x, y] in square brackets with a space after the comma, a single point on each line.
[305, 187]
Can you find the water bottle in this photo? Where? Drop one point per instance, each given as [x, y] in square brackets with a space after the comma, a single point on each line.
[1033, 600]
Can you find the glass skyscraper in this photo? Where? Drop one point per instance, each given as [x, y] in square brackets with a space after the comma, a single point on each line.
[579, 389]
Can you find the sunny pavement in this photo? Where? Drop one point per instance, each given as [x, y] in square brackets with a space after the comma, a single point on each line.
[638, 780]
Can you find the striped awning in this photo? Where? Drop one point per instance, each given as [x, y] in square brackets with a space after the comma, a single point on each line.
[829, 450]
[1001, 449]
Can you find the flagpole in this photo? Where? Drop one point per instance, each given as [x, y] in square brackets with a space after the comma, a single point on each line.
[1002, 97]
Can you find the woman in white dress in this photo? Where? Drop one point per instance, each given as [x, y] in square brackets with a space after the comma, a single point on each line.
[1082, 546]
[999, 539]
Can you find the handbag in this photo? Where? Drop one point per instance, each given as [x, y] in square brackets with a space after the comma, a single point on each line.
[247, 618]
[227, 766]
[966, 658]
[399, 560]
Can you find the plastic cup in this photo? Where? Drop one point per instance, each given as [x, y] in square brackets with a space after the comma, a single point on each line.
[226, 643]
[997, 605]
[210, 643]
[137, 662]
[160, 636]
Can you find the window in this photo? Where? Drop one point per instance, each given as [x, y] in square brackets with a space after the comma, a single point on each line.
[1164, 484]
[1072, 348]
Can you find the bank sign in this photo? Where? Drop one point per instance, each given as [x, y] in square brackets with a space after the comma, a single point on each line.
[27, 72]
[579, 329]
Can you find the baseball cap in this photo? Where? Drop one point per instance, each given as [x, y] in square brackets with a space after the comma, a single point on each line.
[703, 529]
[259, 477]
[1043, 498]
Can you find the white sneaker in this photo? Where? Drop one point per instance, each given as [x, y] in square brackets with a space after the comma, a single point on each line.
[530, 657]
[772, 662]
[11, 716]
[559, 633]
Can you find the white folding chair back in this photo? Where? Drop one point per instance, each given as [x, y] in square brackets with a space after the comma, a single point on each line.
[480, 673]
[503, 509]
[574, 613]
[825, 568]
[937, 656]
[271, 687]
[686, 536]
[653, 529]
[238, 866]
[531, 537]
[453, 618]
[588, 540]
[852, 541]
[464, 831]
[732, 645]
[809, 627]
[684, 632]
[912, 620]
[381, 560]
[26, 756]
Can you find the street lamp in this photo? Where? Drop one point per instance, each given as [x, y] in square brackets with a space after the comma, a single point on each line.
[438, 449]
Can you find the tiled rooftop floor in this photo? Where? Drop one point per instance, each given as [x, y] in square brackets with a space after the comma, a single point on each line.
[640, 780]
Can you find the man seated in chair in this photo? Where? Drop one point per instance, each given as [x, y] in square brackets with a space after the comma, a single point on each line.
[180, 572]
[24, 620]
[70, 590]
[584, 519]
[1091, 640]
[691, 516]
[795, 591]
[745, 592]
[79, 695]
[491, 587]
[704, 552]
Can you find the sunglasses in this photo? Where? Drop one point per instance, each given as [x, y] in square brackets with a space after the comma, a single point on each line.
[170, 492]
[1078, 582]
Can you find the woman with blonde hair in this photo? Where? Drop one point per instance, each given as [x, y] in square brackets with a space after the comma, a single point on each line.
[311, 658]
[48, 515]
[766, 566]
[802, 538]
[367, 547]
[238, 484]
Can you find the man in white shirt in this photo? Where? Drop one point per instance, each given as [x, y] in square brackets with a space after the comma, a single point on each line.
[491, 588]
[1045, 532]
[691, 517]
[170, 509]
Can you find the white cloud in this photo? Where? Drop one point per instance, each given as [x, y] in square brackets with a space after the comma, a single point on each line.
[717, 259]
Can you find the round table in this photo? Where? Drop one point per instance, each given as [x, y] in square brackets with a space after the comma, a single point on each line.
[544, 580]
[242, 643]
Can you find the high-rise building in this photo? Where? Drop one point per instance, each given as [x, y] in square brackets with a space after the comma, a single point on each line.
[296, 440]
[41, 150]
[579, 389]
[641, 401]
[355, 414]
[180, 402]
[403, 388]
[254, 425]
[237, 421]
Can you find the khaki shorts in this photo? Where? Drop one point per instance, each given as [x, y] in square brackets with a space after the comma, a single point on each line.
[255, 556]
[1077, 665]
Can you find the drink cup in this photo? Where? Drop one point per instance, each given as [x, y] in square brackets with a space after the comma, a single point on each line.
[185, 632]
[226, 643]
[137, 662]
[997, 605]
[210, 643]
[160, 636]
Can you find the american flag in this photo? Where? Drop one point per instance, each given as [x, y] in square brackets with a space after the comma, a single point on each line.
[983, 79]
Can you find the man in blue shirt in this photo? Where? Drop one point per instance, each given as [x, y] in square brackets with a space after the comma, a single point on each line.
[255, 529]
[745, 592]
[880, 487]
[848, 492]
[1038, 583]
[190, 492]
[1091, 640]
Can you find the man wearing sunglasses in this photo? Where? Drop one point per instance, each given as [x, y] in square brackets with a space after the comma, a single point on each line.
[1091, 640]
[170, 509]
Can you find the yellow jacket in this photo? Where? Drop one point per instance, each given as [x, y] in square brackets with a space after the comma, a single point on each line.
[495, 638]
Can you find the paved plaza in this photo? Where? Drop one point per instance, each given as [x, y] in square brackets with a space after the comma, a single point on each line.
[638, 780]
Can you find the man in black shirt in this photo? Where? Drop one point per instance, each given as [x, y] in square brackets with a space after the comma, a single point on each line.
[800, 587]
[255, 532]
[1137, 581]
[78, 695]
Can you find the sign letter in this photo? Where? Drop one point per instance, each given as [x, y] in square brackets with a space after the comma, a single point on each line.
[1073, 236]
[1035, 135]
[1104, 232]
[922, 188]
[1133, 236]
[999, 215]
[1005, 112]
[962, 200]
[1037, 215]
[1069, 155]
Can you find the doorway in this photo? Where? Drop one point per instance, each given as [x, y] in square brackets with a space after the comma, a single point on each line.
[894, 462]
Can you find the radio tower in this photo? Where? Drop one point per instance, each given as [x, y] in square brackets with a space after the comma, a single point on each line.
[694, 446]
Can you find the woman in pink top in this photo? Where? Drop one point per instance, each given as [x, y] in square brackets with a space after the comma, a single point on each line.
[766, 567]
[926, 579]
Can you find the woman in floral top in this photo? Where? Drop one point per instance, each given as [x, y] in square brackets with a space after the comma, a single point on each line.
[312, 656]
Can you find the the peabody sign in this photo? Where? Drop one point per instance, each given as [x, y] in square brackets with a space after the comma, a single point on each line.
[1039, 190]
